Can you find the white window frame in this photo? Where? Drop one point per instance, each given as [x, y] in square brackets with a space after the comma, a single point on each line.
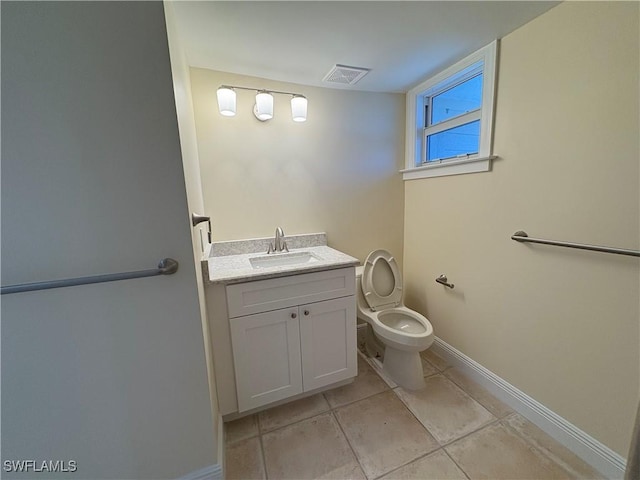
[415, 165]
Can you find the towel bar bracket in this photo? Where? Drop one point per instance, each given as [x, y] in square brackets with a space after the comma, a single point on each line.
[168, 266]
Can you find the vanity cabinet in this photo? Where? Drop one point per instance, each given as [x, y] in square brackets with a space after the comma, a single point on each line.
[292, 334]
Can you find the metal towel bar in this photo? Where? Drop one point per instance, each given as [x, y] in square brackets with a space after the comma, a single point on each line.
[167, 266]
[521, 236]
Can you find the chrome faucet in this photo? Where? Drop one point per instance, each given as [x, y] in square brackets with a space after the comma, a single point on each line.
[279, 244]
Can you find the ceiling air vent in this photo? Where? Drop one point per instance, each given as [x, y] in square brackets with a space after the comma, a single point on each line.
[345, 75]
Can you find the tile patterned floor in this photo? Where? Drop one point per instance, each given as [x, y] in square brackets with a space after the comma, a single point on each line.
[373, 429]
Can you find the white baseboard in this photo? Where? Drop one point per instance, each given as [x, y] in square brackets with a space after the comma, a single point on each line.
[215, 471]
[212, 472]
[219, 473]
[599, 456]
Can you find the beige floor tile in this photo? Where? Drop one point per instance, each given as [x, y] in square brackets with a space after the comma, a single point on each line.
[378, 367]
[497, 452]
[367, 383]
[241, 429]
[435, 359]
[428, 368]
[478, 392]
[289, 413]
[437, 465]
[444, 409]
[383, 433]
[243, 460]
[554, 450]
[312, 448]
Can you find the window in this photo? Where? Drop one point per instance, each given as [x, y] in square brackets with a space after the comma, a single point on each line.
[450, 118]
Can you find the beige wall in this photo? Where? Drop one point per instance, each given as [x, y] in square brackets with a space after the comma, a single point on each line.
[335, 173]
[560, 324]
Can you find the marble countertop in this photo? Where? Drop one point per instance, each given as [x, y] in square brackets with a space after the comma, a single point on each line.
[222, 267]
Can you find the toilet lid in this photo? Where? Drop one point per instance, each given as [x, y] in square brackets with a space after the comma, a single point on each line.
[381, 280]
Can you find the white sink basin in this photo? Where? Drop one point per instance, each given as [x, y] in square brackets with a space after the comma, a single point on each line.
[283, 259]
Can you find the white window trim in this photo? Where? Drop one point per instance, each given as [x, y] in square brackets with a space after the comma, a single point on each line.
[414, 142]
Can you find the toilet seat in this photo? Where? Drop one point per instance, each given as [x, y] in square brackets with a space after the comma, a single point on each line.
[386, 314]
[398, 338]
[376, 275]
[403, 332]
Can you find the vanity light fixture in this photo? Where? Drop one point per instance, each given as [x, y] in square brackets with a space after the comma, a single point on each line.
[263, 108]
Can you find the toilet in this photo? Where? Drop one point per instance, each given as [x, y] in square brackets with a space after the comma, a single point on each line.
[399, 333]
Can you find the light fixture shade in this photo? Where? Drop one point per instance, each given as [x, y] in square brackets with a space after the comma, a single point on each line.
[227, 101]
[264, 106]
[299, 108]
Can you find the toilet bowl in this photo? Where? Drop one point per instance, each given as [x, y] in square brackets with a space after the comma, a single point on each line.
[403, 332]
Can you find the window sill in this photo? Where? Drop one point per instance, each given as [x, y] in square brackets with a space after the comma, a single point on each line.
[449, 167]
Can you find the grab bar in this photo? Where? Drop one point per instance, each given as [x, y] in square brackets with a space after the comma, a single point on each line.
[521, 236]
[167, 266]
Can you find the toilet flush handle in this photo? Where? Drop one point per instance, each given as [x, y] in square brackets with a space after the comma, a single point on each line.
[442, 279]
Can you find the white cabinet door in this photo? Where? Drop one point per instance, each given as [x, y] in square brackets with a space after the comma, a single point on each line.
[266, 353]
[328, 341]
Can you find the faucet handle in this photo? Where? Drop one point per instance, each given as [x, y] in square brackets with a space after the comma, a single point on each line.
[284, 246]
[270, 249]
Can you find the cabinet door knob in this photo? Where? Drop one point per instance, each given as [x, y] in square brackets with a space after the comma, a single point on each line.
[294, 315]
[306, 312]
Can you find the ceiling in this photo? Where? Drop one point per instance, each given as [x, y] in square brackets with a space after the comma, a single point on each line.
[402, 43]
